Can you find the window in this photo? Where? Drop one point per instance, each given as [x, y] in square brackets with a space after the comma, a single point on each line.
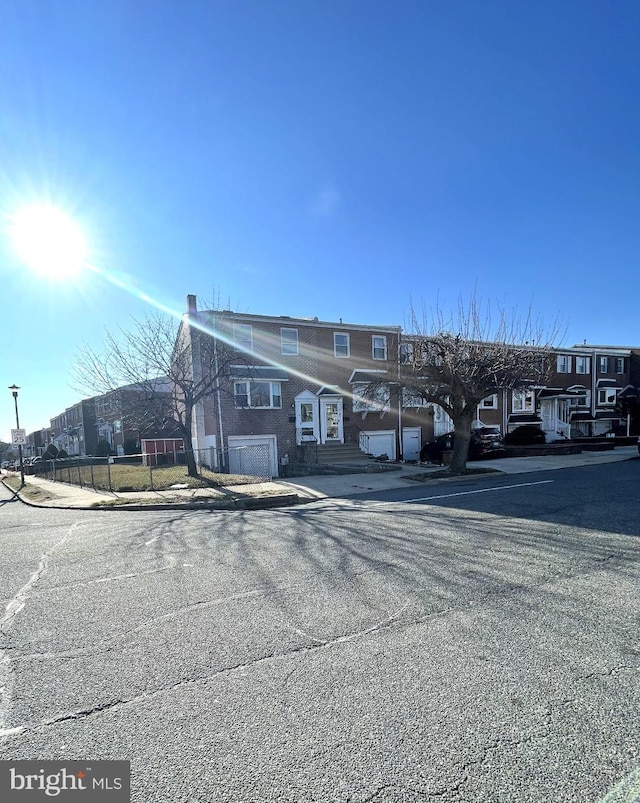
[412, 398]
[289, 341]
[607, 395]
[583, 365]
[379, 347]
[522, 401]
[489, 403]
[243, 336]
[341, 344]
[366, 399]
[407, 352]
[604, 365]
[258, 394]
[564, 364]
[619, 365]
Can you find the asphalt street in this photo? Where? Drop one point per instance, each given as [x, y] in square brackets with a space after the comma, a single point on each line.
[459, 641]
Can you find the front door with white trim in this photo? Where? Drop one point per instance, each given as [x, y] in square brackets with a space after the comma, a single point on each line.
[307, 418]
[331, 428]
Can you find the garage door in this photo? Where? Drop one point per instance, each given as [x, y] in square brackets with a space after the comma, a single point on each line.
[383, 442]
[411, 442]
[253, 454]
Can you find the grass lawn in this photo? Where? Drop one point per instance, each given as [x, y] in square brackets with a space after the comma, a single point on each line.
[142, 478]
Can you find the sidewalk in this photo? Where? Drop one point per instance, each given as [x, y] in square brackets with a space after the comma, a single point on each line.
[351, 484]
[286, 492]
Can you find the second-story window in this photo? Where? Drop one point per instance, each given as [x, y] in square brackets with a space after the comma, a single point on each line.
[406, 353]
[341, 346]
[619, 365]
[379, 347]
[564, 364]
[604, 365]
[289, 341]
[583, 365]
[243, 337]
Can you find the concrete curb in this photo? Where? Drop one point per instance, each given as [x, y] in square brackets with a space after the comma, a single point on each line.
[234, 503]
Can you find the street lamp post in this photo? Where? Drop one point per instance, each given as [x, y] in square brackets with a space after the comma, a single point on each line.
[14, 391]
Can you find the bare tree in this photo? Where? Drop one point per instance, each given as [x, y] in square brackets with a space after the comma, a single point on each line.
[172, 368]
[458, 361]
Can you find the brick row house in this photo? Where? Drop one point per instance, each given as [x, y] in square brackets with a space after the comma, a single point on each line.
[114, 421]
[74, 430]
[580, 399]
[298, 386]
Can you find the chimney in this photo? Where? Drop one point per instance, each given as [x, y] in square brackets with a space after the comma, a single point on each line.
[192, 307]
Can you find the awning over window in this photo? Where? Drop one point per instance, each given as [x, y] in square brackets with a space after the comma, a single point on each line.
[559, 393]
[359, 376]
[601, 415]
[258, 373]
[583, 416]
[329, 390]
[524, 418]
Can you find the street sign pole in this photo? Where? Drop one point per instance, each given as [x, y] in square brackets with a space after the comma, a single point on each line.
[14, 391]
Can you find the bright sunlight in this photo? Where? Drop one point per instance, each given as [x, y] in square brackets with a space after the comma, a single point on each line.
[48, 241]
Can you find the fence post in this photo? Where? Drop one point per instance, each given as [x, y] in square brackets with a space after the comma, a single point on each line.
[151, 474]
[79, 475]
[109, 473]
[93, 483]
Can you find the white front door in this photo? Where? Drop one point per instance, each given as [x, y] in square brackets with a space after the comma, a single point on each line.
[331, 430]
[307, 418]
[548, 414]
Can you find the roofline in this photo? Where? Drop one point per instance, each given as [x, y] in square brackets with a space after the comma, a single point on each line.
[287, 320]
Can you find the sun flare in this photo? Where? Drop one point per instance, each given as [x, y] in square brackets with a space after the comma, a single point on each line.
[48, 241]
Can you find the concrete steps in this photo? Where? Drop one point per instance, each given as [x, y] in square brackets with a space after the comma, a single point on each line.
[341, 453]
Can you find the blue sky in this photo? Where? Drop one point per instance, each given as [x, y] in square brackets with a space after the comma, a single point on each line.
[333, 158]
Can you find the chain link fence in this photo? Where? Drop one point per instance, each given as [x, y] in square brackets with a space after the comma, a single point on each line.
[156, 472]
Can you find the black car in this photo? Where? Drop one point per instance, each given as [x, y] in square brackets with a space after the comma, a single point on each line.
[485, 442]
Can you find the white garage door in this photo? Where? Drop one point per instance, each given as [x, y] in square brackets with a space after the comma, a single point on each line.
[383, 442]
[411, 437]
[253, 454]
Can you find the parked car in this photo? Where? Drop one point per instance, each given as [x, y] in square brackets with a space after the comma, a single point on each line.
[526, 435]
[485, 442]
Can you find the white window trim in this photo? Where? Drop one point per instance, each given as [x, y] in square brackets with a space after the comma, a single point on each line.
[567, 359]
[619, 365]
[604, 361]
[383, 338]
[407, 351]
[583, 363]
[494, 403]
[602, 397]
[523, 394]
[239, 342]
[247, 383]
[335, 345]
[289, 343]
[365, 404]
